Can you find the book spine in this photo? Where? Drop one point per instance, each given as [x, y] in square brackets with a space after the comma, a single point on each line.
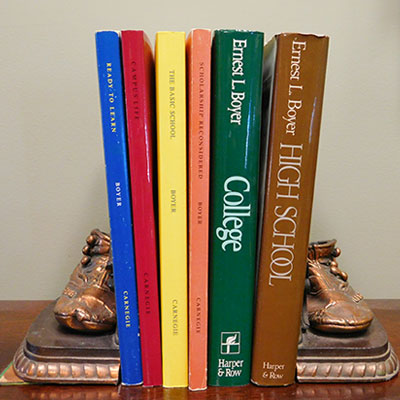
[295, 117]
[198, 47]
[171, 152]
[138, 69]
[236, 99]
[115, 152]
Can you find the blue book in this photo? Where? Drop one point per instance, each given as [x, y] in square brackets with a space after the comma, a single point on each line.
[116, 158]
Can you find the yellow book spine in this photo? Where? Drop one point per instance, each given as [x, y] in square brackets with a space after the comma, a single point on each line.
[171, 152]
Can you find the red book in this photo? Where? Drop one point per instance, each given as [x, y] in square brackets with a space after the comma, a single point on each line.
[138, 66]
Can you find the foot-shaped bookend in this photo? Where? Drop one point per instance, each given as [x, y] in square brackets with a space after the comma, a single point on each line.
[87, 303]
[73, 340]
[79, 345]
[341, 339]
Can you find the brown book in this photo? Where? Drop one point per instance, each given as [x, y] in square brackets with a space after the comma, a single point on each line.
[294, 76]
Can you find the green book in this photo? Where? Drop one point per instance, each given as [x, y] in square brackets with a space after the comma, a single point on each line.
[236, 124]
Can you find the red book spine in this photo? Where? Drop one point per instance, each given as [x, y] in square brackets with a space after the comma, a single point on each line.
[138, 66]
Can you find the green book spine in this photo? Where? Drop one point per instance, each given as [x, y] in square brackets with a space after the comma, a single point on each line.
[236, 123]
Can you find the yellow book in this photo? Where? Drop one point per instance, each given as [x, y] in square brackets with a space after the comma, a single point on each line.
[171, 152]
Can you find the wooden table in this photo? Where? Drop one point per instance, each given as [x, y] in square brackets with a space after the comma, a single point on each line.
[16, 317]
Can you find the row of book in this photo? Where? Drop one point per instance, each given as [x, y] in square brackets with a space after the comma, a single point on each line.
[210, 192]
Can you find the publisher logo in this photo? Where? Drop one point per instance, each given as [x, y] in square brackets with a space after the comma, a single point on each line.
[230, 342]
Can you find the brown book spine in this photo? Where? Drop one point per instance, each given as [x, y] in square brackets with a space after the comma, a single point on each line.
[294, 76]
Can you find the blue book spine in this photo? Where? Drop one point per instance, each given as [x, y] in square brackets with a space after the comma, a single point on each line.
[116, 159]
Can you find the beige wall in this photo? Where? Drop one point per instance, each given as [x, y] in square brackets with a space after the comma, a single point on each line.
[51, 158]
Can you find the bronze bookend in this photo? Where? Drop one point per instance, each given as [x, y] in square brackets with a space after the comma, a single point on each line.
[74, 341]
[341, 340]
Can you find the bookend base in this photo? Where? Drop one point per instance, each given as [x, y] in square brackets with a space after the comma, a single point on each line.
[51, 353]
[363, 357]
